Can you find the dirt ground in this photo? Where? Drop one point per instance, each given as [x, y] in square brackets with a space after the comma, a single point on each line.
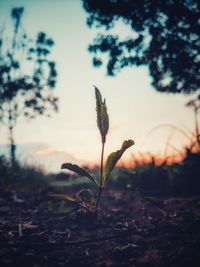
[130, 230]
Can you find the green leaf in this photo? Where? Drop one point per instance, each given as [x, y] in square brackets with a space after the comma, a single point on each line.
[47, 205]
[98, 99]
[114, 157]
[66, 207]
[75, 168]
[64, 197]
[102, 115]
[63, 207]
[104, 120]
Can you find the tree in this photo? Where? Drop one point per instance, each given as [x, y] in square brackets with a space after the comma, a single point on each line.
[27, 75]
[166, 38]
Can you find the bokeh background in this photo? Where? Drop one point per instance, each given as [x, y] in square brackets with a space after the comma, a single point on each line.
[134, 106]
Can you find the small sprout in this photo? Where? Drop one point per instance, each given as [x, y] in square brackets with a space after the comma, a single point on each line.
[85, 197]
[66, 203]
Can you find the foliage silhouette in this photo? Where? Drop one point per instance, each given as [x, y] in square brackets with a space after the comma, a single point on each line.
[27, 75]
[165, 38]
[163, 179]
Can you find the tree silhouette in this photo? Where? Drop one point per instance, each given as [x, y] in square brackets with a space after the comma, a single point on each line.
[27, 75]
[165, 37]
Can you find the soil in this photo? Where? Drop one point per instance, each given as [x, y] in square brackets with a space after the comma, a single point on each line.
[130, 230]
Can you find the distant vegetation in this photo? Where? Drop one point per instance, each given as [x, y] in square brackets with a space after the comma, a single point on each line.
[27, 76]
[20, 177]
[150, 177]
[166, 179]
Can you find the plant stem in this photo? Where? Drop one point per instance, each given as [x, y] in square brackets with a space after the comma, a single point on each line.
[101, 170]
[98, 198]
[101, 178]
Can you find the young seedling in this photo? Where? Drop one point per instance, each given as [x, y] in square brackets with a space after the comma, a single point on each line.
[85, 197]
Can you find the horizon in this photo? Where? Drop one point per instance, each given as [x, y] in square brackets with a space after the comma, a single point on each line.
[134, 106]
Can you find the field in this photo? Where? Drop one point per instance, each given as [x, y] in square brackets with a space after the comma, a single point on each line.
[132, 228]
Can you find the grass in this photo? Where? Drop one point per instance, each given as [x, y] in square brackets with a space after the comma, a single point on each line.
[21, 177]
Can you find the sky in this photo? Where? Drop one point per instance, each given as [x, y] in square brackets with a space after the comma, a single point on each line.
[134, 106]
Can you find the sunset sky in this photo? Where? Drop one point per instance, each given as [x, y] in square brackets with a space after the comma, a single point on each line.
[134, 107]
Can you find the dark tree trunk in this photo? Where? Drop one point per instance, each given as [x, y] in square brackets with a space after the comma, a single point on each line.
[12, 146]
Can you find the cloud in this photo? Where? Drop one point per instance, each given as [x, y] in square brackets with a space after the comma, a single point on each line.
[42, 155]
[52, 159]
